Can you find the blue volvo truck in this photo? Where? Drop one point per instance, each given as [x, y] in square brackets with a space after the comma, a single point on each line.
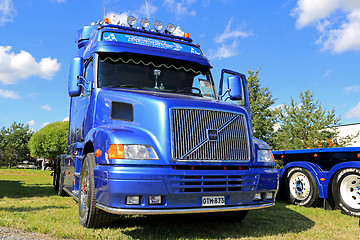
[148, 133]
[328, 176]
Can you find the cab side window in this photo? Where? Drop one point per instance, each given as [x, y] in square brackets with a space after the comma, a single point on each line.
[89, 76]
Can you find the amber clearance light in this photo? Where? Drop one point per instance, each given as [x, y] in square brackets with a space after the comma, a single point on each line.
[116, 151]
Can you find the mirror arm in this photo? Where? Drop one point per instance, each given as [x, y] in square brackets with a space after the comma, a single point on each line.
[227, 91]
[82, 85]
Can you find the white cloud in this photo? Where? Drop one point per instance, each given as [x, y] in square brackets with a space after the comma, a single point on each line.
[327, 73]
[229, 41]
[66, 119]
[44, 124]
[46, 107]
[9, 94]
[231, 34]
[338, 22]
[224, 51]
[7, 11]
[151, 9]
[14, 67]
[354, 112]
[31, 123]
[180, 8]
[119, 16]
[352, 89]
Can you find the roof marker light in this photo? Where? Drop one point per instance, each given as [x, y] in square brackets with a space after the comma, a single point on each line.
[131, 20]
[158, 26]
[144, 23]
[106, 20]
[170, 28]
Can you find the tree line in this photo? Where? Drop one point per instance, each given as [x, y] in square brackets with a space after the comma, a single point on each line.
[290, 126]
[18, 142]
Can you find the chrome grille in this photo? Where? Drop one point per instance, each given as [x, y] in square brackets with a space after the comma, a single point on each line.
[207, 135]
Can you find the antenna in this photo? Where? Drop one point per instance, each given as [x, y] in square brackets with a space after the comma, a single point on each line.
[104, 10]
[147, 10]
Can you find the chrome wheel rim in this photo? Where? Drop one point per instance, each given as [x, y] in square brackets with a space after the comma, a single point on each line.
[299, 186]
[350, 191]
[84, 193]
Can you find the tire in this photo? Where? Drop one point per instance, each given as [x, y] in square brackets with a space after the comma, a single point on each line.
[89, 215]
[346, 191]
[56, 176]
[60, 190]
[301, 188]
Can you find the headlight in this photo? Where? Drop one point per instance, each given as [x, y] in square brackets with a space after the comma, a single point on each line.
[131, 151]
[264, 156]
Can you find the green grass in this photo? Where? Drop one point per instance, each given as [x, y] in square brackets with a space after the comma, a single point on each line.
[28, 202]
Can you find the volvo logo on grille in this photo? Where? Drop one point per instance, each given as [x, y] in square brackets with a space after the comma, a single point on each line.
[213, 134]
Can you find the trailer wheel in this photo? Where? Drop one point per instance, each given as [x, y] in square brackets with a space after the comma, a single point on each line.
[89, 215]
[346, 191]
[302, 188]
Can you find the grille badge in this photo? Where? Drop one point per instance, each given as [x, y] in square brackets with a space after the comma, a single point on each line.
[212, 134]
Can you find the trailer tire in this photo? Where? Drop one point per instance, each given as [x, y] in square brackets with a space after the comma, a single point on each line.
[89, 215]
[301, 187]
[346, 191]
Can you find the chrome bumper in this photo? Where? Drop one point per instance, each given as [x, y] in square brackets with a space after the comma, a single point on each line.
[182, 210]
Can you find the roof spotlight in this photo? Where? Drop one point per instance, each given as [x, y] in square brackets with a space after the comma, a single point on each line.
[131, 21]
[144, 23]
[170, 28]
[158, 26]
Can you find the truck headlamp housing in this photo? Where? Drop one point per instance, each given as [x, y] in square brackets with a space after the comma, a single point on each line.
[132, 151]
[265, 156]
[158, 25]
[131, 20]
[170, 28]
[144, 23]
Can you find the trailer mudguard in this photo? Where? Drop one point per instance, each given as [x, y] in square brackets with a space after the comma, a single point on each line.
[314, 169]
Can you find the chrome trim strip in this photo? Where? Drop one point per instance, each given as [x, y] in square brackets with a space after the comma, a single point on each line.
[181, 210]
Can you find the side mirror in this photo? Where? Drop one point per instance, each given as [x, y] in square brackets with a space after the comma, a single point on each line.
[76, 72]
[234, 85]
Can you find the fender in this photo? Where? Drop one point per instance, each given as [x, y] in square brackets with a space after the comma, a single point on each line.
[338, 167]
[314, 169]
[102, 137]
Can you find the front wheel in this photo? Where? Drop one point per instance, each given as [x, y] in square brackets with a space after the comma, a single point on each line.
[301, 187]
[346, 191]
[89, 215]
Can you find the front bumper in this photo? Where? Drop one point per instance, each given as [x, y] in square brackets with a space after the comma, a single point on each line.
[181, 190]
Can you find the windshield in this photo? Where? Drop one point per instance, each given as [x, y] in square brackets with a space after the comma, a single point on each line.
[155, 74]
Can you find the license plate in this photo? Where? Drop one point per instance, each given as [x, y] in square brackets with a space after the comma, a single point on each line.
[213, 201]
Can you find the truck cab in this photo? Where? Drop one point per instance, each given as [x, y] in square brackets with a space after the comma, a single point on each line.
[149, 133]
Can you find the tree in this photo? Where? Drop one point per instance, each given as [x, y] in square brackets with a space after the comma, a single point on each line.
[14, 143]
[309, 125]
[263, 116]
[50, 141]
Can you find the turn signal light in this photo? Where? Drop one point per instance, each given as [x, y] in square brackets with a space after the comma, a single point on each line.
[116, 151]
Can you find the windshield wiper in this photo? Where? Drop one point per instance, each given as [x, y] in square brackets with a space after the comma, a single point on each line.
[127, 86]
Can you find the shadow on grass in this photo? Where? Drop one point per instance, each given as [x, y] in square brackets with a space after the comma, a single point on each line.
[258, 223]
[17, 189]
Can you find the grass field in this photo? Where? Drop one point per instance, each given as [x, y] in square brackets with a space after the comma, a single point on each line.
[28, 202]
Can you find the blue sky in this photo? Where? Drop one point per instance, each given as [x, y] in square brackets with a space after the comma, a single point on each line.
[298, 44]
